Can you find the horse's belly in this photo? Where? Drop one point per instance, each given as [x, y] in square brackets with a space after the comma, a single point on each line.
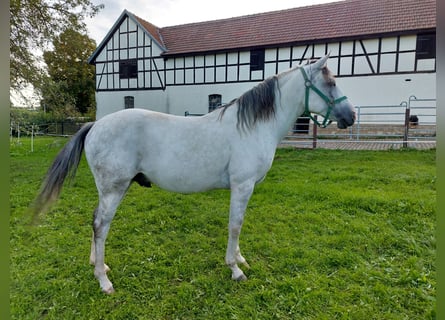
[187, 163]
[190, 182]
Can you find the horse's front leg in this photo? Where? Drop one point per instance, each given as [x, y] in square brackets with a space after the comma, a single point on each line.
[240, 195]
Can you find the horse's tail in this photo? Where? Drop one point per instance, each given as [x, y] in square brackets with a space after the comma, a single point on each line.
[64, 165]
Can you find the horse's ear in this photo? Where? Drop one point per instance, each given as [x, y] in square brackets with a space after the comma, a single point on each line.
[321, 62]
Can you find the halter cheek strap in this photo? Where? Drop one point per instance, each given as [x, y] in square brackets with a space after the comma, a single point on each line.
[330, 102]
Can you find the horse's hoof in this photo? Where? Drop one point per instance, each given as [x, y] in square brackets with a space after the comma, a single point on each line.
[108, 291]
[107, 268]
[241, 277]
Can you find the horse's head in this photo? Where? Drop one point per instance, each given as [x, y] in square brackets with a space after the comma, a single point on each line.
[323, 96]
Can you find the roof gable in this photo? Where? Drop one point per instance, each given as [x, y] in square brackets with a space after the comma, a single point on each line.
[150, 29]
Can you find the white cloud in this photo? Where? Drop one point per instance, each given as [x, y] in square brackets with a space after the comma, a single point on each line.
[164, 13]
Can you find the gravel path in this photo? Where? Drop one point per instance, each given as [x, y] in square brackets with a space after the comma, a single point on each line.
[358, 145]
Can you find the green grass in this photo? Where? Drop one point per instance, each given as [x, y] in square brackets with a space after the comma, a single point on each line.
[329, 235]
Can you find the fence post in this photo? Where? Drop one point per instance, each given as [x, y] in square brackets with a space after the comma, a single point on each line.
[406, 129]
[32, 138]
[359, 110]
[314, 134]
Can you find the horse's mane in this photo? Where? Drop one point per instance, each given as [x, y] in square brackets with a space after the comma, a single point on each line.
[257, 104]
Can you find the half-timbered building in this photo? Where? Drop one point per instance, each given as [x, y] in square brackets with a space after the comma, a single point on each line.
[381, 51]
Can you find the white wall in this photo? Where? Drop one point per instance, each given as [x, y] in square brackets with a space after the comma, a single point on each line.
[174, 100]
[362, 91]
[112, 101]
[387, 89]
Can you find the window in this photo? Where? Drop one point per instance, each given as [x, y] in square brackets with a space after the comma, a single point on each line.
[302, 124]
[128, 69]
[214, 101]
[128, 102]
[257, 60]
[426, 46]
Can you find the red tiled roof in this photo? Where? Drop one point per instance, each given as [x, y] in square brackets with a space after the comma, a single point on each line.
[152, 29]
[332, 20]
[343, 19]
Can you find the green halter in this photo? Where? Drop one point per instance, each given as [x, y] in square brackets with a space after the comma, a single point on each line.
[330, 102]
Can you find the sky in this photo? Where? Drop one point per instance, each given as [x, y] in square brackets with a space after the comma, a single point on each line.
[163, 13]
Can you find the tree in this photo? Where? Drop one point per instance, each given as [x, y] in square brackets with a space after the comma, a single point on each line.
[34, 23]
[56, 99]
[68, 68]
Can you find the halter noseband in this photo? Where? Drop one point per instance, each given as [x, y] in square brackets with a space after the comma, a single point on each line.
[330, 102]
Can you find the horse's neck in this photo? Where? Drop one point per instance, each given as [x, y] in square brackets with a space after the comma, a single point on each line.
[289, 101]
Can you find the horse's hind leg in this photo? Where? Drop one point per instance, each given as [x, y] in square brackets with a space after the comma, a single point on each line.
[240, 195]
[93, 251]
[103, 215]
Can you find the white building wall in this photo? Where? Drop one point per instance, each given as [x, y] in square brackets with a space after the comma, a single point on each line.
[174, 100]
[361, 91]
[379, 71]
[387, 89]
[112, 101]
[195, 99]
[378, 98]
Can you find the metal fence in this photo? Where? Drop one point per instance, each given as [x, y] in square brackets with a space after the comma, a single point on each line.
[65, 128]
[61, 128]
[422, 112]
[414, 120]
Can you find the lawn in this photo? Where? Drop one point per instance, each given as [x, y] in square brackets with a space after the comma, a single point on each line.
[328, 235]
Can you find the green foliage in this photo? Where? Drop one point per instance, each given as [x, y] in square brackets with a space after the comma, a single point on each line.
[57, 99]
[329, 235]
[34, 24]
[27, 119]
[72, 79]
